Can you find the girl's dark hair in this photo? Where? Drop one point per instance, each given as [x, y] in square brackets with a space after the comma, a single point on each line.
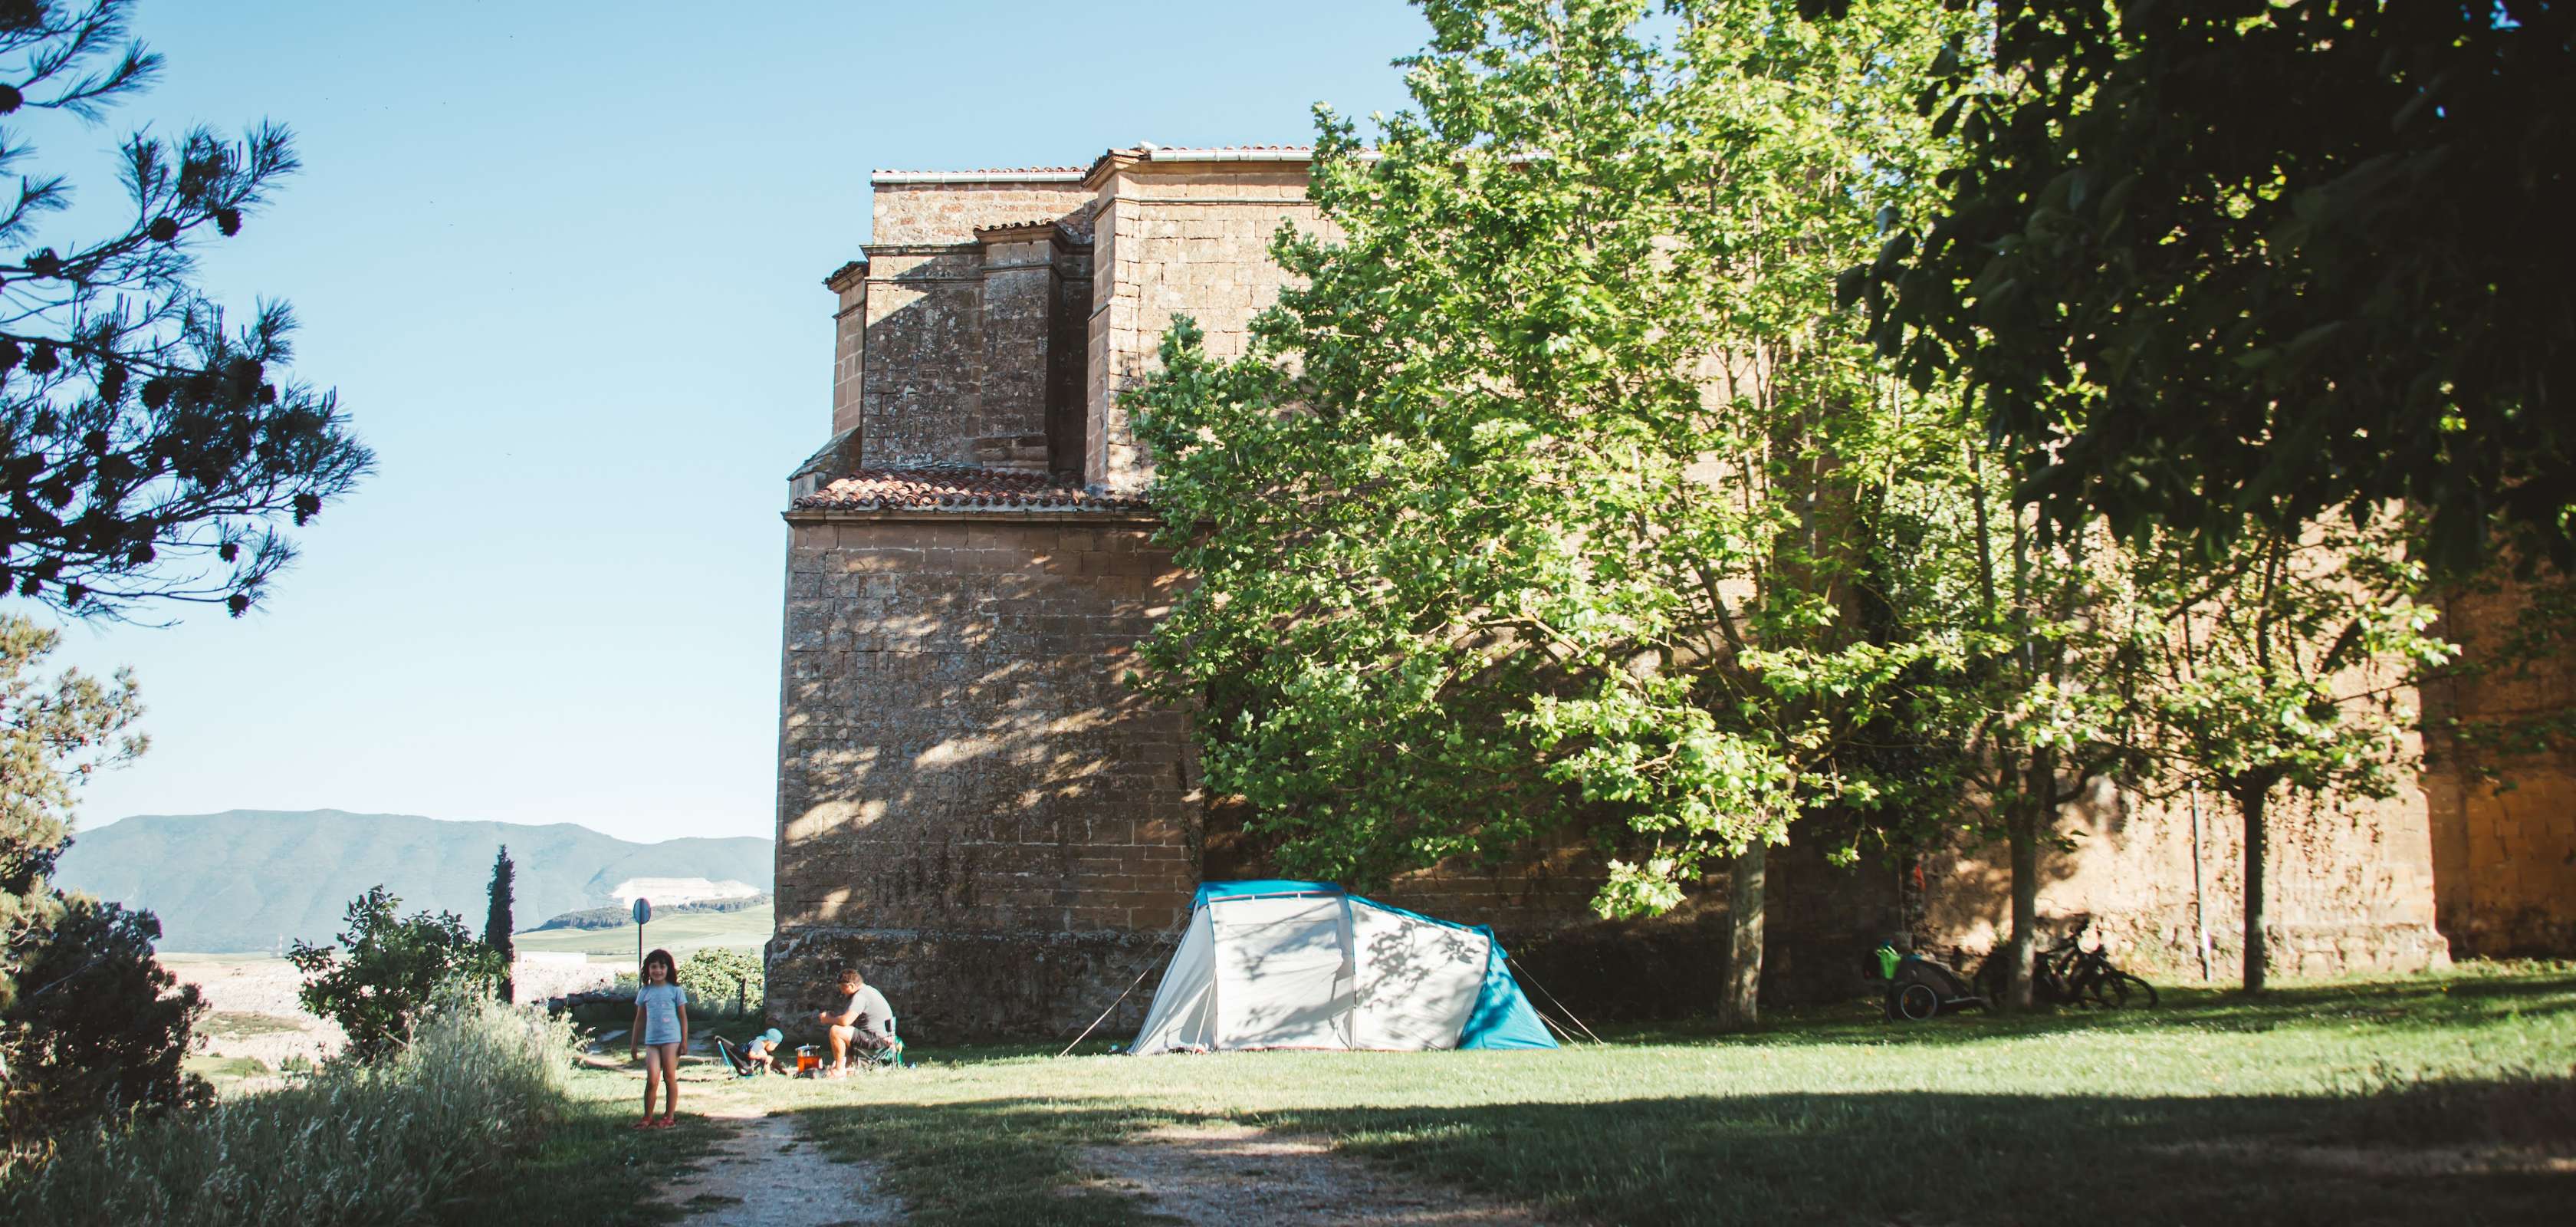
[667, 962]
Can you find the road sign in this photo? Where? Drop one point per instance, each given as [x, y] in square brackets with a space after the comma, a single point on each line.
[643, 910]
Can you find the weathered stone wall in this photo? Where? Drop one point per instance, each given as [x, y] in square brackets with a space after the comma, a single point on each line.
[1176, 239]
[920, 398]
[944, 343]
[849, 286]
[972, 807]
[2351, 886]
[2504, 825]
[910, 209]
[1068, 348]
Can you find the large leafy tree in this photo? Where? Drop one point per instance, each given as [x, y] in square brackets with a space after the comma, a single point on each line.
[150, 450]
[2023, 704]
[2222, 265]
[1532, 509]
[2282, 672]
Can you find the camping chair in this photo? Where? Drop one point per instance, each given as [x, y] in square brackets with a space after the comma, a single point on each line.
[742, 1066]
[890, 1056]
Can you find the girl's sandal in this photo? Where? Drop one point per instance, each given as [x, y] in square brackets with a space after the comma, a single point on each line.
[668, 1122]
[646, 1123]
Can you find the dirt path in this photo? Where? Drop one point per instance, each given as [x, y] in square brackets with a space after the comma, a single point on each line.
[1244, 1177]
[764, 1175]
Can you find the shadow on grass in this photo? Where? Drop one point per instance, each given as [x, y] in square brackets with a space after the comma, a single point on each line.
[590, 1168]
[1825, 1158]
[2431, 1001]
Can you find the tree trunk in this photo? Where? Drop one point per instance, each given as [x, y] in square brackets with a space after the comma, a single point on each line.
[2251, 801]
[2023, 945]
[2034, 815]
[1740, 1006]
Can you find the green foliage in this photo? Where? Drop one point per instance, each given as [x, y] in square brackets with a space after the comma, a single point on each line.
[719, 976]
[391, 970]
[85, 1028]
[393, 1142]
[2287, 667]
[2209, 263]
[1532, 508]
[96, 1031]
[54, 731]
[496, 919]
[147, 451]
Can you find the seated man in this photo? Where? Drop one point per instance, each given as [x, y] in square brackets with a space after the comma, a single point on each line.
[760, 1056]
[863, 1018]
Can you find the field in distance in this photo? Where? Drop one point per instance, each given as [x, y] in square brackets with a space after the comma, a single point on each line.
[679, 932]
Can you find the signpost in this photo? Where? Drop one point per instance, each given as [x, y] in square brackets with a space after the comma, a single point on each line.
[643, 913]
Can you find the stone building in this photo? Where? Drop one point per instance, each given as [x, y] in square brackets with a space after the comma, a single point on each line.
[974, 808]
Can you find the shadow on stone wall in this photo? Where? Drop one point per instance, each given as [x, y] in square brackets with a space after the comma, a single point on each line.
[973, 809]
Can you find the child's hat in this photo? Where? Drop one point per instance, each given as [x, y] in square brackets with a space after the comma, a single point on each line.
[772, 1035]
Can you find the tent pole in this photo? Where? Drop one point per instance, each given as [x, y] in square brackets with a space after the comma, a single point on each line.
[1551, 999]
[1104, 1014]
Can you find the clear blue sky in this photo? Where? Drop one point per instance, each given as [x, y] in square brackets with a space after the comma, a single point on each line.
[562, 261]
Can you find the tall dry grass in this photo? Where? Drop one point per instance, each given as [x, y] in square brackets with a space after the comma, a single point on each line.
[348, 1144]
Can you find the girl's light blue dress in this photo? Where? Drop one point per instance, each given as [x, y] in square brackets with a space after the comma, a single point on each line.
[661, 1004]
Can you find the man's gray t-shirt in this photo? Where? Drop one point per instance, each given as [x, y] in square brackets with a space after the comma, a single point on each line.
[869, 1011]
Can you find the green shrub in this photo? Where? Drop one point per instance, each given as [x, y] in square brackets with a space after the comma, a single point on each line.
[95, 1030]
[725, 980]
[352, 1143]
[390, 971]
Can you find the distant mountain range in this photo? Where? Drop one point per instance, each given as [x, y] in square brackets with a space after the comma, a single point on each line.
[248, 880]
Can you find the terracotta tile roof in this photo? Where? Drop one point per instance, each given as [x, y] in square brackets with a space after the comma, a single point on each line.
[960, 488]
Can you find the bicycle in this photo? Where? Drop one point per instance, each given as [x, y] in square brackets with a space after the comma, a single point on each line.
[2069, 974]
[2090, 977]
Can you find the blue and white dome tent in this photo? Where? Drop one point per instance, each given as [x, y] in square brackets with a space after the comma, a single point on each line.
[1281, 964]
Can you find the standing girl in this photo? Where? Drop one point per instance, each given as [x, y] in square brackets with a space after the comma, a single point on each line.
[661, 1030]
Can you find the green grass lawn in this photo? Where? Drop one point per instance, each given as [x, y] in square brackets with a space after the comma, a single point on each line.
[591, 1169]
[679, 932]
[2333, 1103]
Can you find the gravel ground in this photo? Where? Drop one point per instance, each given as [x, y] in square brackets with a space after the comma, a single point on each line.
[765, 1176]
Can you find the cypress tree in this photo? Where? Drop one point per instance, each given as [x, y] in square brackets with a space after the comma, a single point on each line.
[496, 921]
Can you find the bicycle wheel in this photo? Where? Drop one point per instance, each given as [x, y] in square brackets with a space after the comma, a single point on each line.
[2136, 990]
[1915, 1002]
[2106, 990]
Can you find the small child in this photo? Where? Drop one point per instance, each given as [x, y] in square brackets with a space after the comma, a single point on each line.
[661, 1031]
[757, 1057]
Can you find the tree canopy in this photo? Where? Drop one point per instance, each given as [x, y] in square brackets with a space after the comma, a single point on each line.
[2227, 265]
[1528, 517]
[54, 731]
[150, 449]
